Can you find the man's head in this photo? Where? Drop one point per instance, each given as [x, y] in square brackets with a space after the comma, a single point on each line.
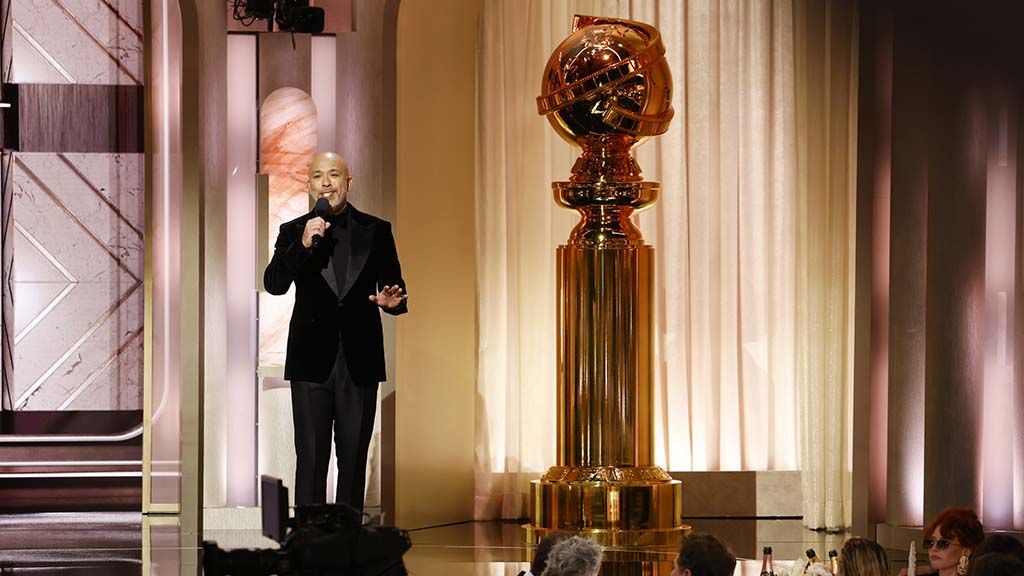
[329, 178]
[703, 555]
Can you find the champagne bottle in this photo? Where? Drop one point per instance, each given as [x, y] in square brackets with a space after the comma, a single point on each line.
[812, 558]
[767, 567]
[833, 561]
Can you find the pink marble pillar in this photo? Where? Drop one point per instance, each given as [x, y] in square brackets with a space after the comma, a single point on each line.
[287, 144]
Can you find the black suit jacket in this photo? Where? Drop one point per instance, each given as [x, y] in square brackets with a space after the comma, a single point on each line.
[324, 312]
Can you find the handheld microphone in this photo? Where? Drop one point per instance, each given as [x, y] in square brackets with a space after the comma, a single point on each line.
[321, 209]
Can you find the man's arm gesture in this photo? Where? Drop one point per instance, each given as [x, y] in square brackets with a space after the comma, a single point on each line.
[389, 297]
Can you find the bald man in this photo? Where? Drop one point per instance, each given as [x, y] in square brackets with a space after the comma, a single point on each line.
[335, 356]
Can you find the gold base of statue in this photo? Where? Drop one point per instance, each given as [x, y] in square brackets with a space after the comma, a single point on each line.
[616, 506]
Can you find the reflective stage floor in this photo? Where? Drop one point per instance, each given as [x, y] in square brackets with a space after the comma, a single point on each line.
[126, 543]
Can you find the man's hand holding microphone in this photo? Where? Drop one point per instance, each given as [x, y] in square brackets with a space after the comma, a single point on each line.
[313, 233]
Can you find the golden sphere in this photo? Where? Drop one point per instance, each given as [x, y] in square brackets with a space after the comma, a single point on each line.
[609, 78]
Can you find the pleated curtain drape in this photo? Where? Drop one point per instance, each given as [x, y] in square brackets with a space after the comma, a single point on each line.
[753, 237]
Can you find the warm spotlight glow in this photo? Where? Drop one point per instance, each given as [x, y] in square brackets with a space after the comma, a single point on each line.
[998, 421]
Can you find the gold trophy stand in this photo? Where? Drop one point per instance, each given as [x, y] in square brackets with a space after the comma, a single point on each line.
[606, 88]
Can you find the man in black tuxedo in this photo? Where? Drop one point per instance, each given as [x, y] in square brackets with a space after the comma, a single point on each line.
[344, 266]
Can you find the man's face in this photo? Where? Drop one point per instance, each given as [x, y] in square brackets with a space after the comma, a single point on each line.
[328, 178]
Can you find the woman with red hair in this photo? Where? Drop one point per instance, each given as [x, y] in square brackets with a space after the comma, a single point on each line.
[950, 539]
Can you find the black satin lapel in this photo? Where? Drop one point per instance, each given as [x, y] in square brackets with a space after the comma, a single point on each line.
[327, 272]
[361, 238]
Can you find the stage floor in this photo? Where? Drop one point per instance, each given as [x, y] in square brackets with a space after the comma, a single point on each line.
[125, 543]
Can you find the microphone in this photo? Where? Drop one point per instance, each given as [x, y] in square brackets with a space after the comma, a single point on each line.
[321, 209]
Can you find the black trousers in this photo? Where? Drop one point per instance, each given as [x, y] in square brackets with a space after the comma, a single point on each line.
[348, 409]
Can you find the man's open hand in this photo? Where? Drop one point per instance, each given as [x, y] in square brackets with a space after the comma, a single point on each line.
[389, 297]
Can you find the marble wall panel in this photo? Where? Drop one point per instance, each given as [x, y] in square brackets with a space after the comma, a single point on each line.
[78, 41]
[87, 334]
[78, 294]
[35, 65]
[36, 268]
[117, 181]
[122, 368]
[104, 193]
[77, 205]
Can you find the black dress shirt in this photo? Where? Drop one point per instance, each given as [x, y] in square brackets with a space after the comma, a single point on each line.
[342, 246]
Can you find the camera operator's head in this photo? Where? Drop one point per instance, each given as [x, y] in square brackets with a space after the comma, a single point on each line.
[574, 556]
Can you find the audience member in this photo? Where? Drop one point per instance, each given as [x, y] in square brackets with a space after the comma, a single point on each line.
[574, 556]
[949, 540]
[703, 555]
[999, 544]
[863, 557]
[540, 556]
[997, 564]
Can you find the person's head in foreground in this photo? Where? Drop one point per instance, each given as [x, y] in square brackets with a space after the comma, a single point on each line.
[863, 557]
[951, 538]
[540, 557]
[703, 555]
[999, 544]
[997, 564]
[574, 556]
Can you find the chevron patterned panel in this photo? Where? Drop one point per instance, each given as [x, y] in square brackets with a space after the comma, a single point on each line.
[77, 42]
[78, 269]
[78, 219]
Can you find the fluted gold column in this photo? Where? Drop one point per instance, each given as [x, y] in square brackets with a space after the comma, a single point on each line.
[606, 88]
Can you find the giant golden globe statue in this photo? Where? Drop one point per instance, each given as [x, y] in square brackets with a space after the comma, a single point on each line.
[606, 88]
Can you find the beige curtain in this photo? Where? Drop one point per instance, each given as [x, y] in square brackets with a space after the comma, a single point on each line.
[826, 87]
[752, 242]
